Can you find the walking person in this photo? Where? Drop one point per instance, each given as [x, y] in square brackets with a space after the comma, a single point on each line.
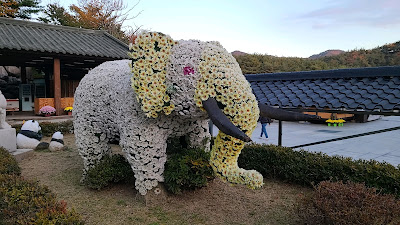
[264, 121]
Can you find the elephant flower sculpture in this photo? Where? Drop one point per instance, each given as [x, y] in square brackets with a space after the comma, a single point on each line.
[169, 88]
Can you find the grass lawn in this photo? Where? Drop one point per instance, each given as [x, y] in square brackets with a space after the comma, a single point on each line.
[219, 203]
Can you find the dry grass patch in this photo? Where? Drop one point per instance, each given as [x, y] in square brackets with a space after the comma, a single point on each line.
[218, 203]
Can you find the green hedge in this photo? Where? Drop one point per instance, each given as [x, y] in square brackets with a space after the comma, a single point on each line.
[185, 169]
[8, 164]
[48, 129]
[27, 202]
[308, 168]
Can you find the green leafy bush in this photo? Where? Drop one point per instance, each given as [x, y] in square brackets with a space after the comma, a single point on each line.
[58, 215]
[352, 203]
[187, 169]
[308, 168]
[27, 202]
[48, 129]
[8, 164]
[176, 145]
[111, 169]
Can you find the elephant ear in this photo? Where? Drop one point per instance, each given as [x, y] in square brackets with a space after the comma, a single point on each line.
[222, 79]
[150, 57]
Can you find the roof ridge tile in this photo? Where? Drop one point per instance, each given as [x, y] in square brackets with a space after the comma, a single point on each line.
[30, 36]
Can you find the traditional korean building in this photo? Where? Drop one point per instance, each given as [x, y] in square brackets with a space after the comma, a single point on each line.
[357, 93]
[60, 56]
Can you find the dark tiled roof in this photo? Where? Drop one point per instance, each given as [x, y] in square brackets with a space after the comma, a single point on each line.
[364, 89]
[32, 36]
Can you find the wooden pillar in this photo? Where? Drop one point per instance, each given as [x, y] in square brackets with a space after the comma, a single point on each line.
[47, 82]
[23, 75]
[57, 86]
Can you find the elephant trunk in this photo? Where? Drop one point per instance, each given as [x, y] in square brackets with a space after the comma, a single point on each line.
[222, 122]
[280, 114]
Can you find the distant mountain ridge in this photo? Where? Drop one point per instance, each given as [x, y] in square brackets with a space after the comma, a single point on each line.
[238, 53]
[326, 53]
[386, 55]
[331, 52]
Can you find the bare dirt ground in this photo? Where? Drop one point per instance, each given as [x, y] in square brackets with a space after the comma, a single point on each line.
[218, 203]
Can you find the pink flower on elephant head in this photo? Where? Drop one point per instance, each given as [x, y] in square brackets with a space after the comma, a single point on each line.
[188, 70]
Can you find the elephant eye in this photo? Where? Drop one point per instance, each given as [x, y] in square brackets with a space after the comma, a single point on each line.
[188, 70]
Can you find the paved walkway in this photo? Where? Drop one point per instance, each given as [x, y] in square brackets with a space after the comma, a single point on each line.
[19, 117]
[380, 147]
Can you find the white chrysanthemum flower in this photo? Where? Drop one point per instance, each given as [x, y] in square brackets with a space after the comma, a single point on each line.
[171, 77]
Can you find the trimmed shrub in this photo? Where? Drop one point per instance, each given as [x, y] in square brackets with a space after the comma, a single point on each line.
[308, 168]
[53, 216]
[8, 164]
[27, 202]
[48, 129]
[111, 169]
[187, 169]
[352, 203]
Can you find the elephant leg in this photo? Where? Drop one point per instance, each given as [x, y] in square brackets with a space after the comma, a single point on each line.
[224, 155]
[199, 135]
[92, 146]
[145, 149]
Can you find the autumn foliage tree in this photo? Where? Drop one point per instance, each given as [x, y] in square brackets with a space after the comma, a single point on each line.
[19, 8]
[106, 15]
[8, 8]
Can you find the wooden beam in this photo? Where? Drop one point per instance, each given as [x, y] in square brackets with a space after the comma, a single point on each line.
[57, 86]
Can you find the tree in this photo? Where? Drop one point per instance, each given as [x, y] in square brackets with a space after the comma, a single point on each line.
[19, 8]
[106, 15]
[8, 8]
[56, 14]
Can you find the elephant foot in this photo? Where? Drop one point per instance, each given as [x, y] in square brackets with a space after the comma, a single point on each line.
[223, 160]
[83, 177]
[143, 186]
[250, 178]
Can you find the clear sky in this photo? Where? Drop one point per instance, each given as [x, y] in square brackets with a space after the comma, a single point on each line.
[297, 28]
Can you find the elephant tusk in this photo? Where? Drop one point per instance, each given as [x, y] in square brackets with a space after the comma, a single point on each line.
[222, 122]
[284, 115]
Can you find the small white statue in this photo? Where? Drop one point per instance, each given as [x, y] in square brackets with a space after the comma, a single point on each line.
[57, 142]
[3, 105]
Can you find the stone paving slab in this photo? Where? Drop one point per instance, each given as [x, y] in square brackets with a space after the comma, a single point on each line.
[21, 154]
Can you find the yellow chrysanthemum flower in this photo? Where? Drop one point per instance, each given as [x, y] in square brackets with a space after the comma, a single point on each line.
[224, 81]
[147, 54]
